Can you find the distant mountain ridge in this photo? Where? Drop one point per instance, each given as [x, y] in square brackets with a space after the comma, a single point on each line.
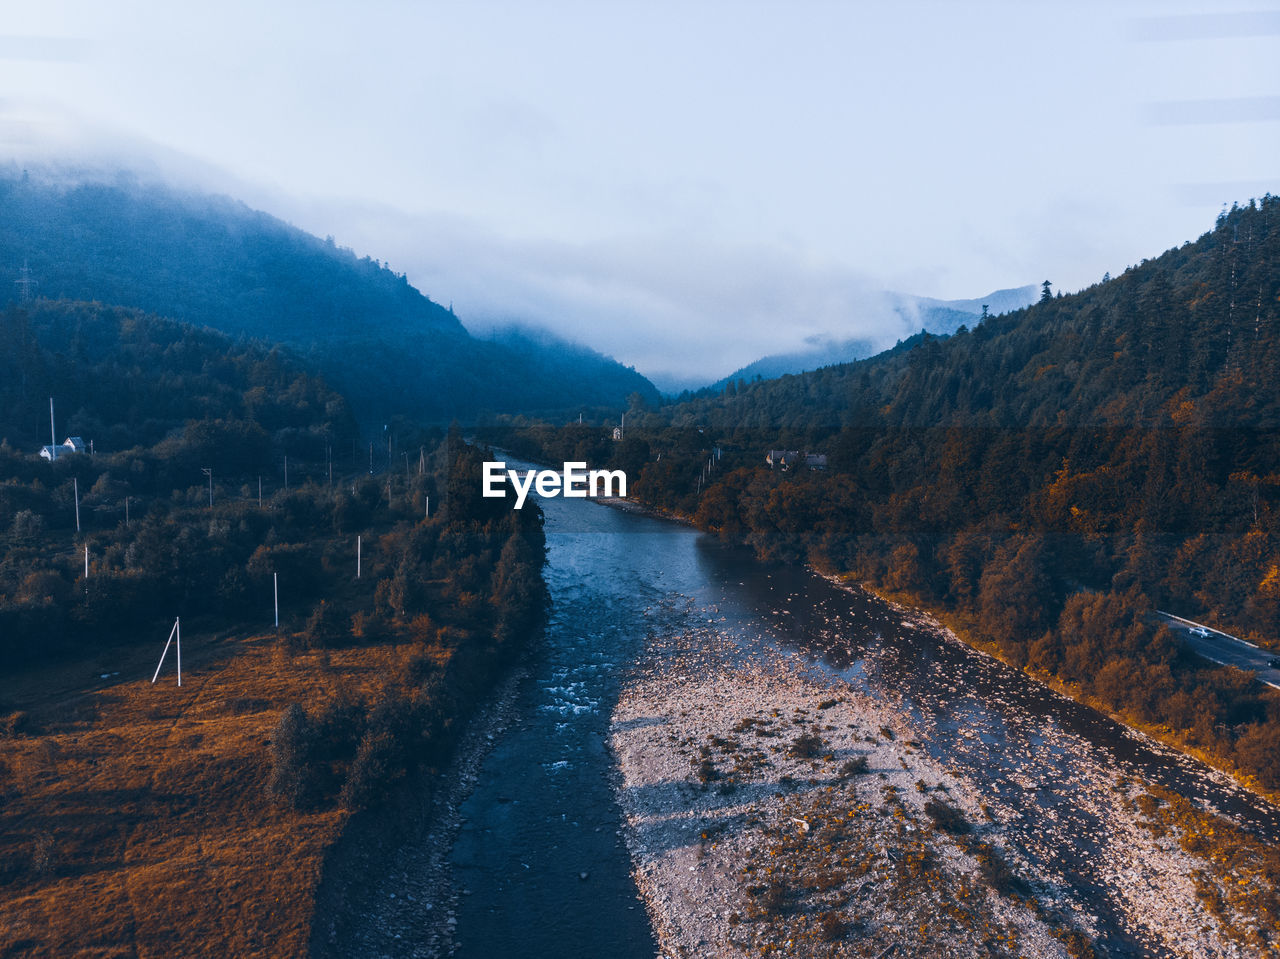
[919, 313]
[1165, 341]
[213, 261]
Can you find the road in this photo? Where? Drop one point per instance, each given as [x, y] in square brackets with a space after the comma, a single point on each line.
[1225, 649]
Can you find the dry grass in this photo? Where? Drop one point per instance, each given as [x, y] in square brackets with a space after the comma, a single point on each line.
[135, 819]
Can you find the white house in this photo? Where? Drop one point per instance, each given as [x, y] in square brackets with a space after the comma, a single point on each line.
[72, 444]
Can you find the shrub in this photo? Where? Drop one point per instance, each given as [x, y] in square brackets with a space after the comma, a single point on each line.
[291, 745]
[807, 746]
[946, 817]
[854, 767]
[327, 626]
[383, 756]
[832, 927]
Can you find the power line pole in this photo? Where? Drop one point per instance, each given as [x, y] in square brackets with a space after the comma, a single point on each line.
[176, 631]
[25, 283]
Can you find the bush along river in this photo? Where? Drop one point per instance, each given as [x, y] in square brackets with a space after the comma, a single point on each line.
[713, 756]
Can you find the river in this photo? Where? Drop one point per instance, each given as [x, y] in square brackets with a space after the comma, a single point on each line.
[539, 860]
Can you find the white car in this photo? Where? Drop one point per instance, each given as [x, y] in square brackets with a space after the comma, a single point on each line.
[1198, 631]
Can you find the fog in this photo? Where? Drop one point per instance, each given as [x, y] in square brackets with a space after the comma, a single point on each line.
[685, 188]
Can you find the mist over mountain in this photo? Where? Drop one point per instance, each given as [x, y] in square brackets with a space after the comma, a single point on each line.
[1050, 477]
[916, 313]
[1187, 334]
[213, 261]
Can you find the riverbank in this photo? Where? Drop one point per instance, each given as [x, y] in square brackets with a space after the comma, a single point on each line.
[948, 626]
[408, 897]
[771, 809]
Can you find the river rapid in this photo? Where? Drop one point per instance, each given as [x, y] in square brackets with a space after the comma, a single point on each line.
[539, 863]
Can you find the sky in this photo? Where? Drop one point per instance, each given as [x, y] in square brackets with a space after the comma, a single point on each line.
[685, 186]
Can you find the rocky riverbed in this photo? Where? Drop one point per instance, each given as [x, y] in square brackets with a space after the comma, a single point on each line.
[772, 808]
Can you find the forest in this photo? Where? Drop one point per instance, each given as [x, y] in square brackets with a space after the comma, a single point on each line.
[212, 261]
[345, 603]
[1046, 479]
[220, 468]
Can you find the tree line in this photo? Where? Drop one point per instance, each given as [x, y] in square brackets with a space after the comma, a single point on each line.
[1049, 478]
[456, 577]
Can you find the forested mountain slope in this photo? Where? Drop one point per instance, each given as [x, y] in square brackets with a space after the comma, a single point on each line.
[1198, 324]
[918, 313]
[213, 261]
[1049, 477]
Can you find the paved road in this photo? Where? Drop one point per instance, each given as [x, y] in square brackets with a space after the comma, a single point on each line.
[1222, 648]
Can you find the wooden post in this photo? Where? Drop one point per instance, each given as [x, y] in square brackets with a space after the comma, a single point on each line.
[275, 592]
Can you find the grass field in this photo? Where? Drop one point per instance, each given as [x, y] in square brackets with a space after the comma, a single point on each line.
[136, 820]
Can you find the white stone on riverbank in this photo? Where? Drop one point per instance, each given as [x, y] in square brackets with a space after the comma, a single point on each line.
[744, 844]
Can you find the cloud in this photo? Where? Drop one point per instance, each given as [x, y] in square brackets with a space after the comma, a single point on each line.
[663, 303]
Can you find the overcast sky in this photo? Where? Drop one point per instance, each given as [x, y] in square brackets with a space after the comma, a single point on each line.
[686, 186]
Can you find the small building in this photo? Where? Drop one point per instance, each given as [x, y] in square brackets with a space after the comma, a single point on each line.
[72, 444]
[790, 459]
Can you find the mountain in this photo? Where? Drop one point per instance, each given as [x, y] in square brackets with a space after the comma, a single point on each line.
[915, 313]
[1190, 335]
[213, 261]
[1050, 479]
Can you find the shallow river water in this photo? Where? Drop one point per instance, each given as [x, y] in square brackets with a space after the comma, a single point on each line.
[539, 859]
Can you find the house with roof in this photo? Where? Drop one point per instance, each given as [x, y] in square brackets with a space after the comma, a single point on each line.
[72, 444]
[790, 459]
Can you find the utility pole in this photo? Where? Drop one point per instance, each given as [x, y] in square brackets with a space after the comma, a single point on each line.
[286, 473]
[53, 431]
[275, 594]
[357, 557]
[76, 486]
[176, 631]
[24, 283]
